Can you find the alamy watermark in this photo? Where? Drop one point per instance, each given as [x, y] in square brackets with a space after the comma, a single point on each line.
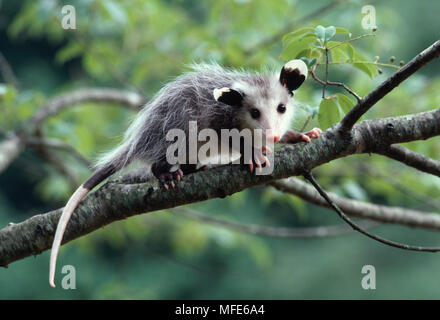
[369, 280]
[206, 146]
[369, 19]
[69, 17]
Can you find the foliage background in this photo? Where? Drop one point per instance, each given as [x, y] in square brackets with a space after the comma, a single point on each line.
[140, 45]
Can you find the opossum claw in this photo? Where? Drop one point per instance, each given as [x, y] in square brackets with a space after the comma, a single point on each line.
[179, 175]
[266, 161]
[305, 138]
[257, 164]
[266, 149]
[251, 165]
[170, 178]
[314, 133]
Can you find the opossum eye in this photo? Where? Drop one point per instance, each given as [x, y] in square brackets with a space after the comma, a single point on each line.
[281, 108]
[255, 113]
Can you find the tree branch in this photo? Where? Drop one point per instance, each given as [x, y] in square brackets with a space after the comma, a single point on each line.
[388, 85]
[330, 83]
[291, 25]
[412, 159]
[280, 232]
[364, 210]
[6, 71]
[133, 195]
[14, 143]
[10, 148]
[58, 144]
[358, 228]
[67, 100]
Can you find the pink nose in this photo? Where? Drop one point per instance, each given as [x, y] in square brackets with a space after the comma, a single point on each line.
[271, 138]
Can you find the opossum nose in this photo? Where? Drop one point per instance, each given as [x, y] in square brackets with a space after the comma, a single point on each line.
[272, 138]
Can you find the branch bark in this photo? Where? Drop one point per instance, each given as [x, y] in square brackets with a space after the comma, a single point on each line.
[11, 147]
[412, 159]
[387, 86]
[364, 210]
[128, 196]
[67, 100]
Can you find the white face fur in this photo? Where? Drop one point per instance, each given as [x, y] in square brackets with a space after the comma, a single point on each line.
[266, 103]
[266, 108]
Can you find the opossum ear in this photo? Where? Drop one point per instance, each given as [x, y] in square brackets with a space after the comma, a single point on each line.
[293, 74]
[228, 96]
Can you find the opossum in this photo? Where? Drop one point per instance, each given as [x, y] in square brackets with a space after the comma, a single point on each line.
[216, 98]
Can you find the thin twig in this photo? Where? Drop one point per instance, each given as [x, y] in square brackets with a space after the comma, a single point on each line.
[306, 123]
[361, 209]
[363, 62]
[339, 84]
[291, 25]
[58, 144]
[324, 85]
[355, 226]
[305, 232]
[352, 39]
[6, 71]
[393, 178]
[388, 85]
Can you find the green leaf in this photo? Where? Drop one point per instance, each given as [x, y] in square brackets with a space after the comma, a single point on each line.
[329, 32]
[309, 62]
[325, 34]
[355, 191]
[329, 113]
[345, 102]
[343, 31]
[367, 67]
[296, 46]
[296, 34]
[68, 52]
[320, 33]
[338, 55]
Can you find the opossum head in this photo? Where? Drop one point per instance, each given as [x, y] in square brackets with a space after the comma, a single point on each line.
[265, 102]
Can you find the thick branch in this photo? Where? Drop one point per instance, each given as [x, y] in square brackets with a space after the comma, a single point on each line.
[411, 218]
[67, 100]
[358, 228]
[11, 147]
[120, 199]
[388, 85]
[412, 159]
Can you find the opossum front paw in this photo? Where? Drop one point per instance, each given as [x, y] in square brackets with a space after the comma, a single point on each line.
[314, 133]
[259, 159]
[292, 136]
[170, 178]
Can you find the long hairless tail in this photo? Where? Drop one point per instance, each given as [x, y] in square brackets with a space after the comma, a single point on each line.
[97, 177]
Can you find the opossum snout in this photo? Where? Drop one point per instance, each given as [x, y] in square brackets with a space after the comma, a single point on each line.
[272, 138]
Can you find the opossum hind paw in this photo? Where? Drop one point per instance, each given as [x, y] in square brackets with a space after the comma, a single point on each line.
[170, 178]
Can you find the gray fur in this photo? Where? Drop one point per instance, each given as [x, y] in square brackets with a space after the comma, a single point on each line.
[190, 98]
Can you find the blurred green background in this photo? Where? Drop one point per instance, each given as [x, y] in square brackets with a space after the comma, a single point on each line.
[140, 45]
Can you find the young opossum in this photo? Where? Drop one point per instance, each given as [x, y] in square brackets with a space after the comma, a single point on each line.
[215, 97]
